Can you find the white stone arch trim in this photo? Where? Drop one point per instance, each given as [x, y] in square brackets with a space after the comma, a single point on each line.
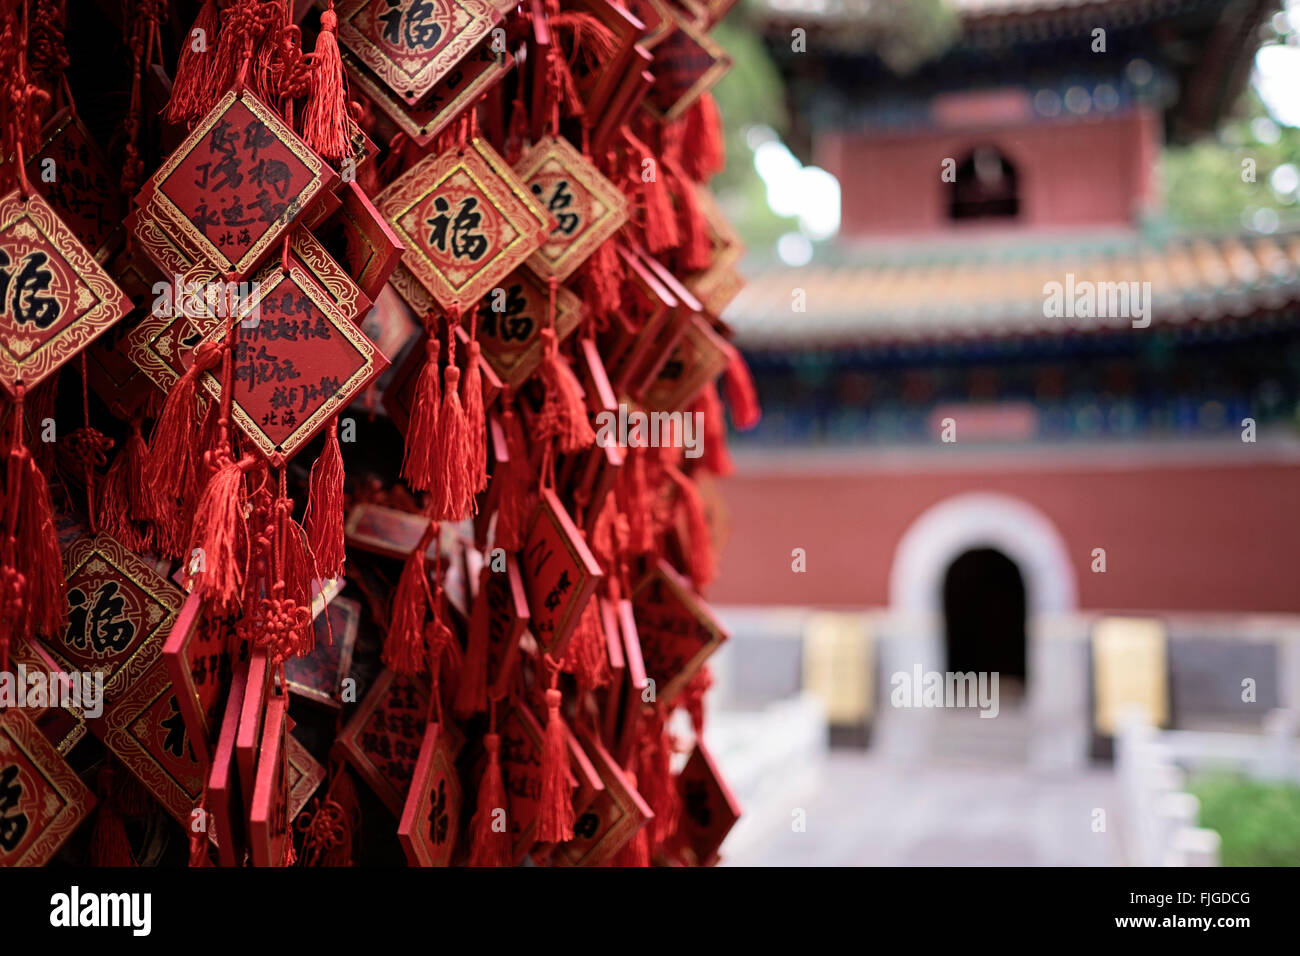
[981, 519]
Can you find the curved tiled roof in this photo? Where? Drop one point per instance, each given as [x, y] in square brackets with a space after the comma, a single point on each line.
[928, 294]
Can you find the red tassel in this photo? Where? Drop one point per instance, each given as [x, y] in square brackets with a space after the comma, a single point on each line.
[188, 97]
[221, 531]
[555, 810]
[404, 646]
[706, 155]
[695, 251]
[716, 459]
[126, 508]
[654, 771]
[31, 574]
[515, 505]
[636, 851]
[108, 843]
[475, 420]
[564, 416]
[451, 493]
[660, 222]
[471, 692]
[298, 572]
[262, 79]
[586, 657]
[325, 119]
[223, 69]
[422, 432]
[739, 389]
[604, 280]
[174, 461]
[700, 553]
[489, 834]
[324, 516]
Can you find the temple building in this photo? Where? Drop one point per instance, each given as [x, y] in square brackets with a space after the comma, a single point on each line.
[1010, 404]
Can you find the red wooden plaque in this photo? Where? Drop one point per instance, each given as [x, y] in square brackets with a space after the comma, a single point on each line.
[120, 611]
[146, 731]
[687, 63]
[466, 221]
[586, 206]
[305, 774]
[78, 183]
[698, 357]
[224, 806]
[318, 677]
[300, 363]
[709, 809]
[268, 817]
[507, 619]
[252, 715]
[201, 667]
[560, 575]
[677, 630]
[473, 76]
[382, 740]
[430, 820]
[611, 820]
[42, 800]
[236, 184]
[372, 249]
[55, 299]
[411, 44]
[510, 321]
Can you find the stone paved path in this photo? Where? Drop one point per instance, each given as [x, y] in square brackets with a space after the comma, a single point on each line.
[865, 810]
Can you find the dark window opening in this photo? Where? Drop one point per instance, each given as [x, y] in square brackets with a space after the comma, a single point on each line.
[986, 187]
[984, 616]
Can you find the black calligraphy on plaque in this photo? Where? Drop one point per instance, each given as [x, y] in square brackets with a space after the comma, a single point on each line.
[411, 24]
[21, 286]
[558, 203]
[438, 816]
[697, 803]
[586, 825]
[13, 822]
[103, 625]
[457, 234]
[557, 593]
[509, 324]
[177, 741]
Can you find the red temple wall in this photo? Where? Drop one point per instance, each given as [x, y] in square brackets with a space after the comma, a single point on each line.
[1180, 537]
[1070, 173]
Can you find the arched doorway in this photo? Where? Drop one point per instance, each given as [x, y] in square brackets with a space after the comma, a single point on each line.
[985, 186]
[984, 617]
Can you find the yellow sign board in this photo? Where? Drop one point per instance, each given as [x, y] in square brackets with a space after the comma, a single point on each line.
[1130, 667]
[839, 666]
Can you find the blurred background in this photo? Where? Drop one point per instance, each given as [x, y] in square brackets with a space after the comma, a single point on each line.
[949, 477]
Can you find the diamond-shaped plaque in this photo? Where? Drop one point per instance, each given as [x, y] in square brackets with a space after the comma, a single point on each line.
[510, 336]
[687, 63]
[146, 730]
[120, 611]
[55, 299]
[466, 220]
[42, 800]
[298, 363]
[678, 631]
[586, 207]
[411, 44]
[474, 75]
[235, 185]
[430, 819]
[83, 189]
